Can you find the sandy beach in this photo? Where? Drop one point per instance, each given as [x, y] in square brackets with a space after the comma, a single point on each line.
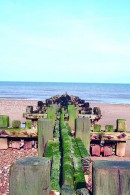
[110, 112]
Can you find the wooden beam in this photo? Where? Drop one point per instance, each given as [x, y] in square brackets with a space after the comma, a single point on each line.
[112, 136]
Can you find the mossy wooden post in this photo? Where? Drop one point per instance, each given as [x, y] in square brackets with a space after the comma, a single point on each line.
[83, 131]
[16, 123]
[30, 176]
[97, 128]
[4, 121]
[109, 128]
[121, 125]
[45, 133]
[28, 124]
[121, 146]
[51, 113]
[111, 177]
[72, 111]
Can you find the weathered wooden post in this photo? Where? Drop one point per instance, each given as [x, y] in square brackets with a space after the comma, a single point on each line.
[120, 147]
[30, 176]
[73, 113]
[3, 143]
[51, 113]
[83, 131]
[45, 133]
[121, 125]
[127, 149]
[111, 177]
[4, 121]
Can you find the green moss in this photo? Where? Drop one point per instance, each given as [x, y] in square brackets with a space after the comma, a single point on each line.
[51, 113]
[28, 124]
[97, 128]
[54, 184]
[109, 128]
[16, 123]
[121, 125]
[4, 121]
[67, 190]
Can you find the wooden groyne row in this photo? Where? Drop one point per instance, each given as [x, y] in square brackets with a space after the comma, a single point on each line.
[65, 166]
[65, 143]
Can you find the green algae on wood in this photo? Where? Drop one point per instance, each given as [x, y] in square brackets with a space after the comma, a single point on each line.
[97, 128]
[4, 121]
[121, 125]
[109, 128]
[51, 113]
[28, 124]
[16, 123]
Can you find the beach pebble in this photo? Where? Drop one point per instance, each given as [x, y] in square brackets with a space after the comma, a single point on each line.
[7, 157]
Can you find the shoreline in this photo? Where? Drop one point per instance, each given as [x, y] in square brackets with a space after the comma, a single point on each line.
[110, 112]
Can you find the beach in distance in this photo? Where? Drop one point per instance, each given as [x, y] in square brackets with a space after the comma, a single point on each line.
[110, 112]
[113, 99]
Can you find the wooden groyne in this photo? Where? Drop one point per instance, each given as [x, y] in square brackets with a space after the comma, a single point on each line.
[66, 137]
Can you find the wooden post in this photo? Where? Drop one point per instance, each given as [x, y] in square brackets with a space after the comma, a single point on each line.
[127, 149]
[86, 133]
[121, 125]
[111, 177]
[30, 176]
[3, 143]
[45, 133]
[72, 111]
[4, 121]
[97, 128]
[120, 148]
[51, 113]
[79, 127]
[83, 131]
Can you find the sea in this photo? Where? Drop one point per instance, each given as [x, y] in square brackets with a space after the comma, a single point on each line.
[90, 92]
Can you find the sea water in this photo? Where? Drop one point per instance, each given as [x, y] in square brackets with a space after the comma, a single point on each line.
[91, 92]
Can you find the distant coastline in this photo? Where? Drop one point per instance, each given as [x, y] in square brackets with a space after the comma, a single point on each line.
[91, 92]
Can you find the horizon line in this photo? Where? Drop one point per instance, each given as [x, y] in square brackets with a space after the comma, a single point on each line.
[69, 82]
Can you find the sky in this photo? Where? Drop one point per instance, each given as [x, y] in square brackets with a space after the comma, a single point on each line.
[65, 41]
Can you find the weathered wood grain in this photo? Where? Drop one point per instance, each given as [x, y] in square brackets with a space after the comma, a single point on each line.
[45, 133]
[111, 177]
[30, 176]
